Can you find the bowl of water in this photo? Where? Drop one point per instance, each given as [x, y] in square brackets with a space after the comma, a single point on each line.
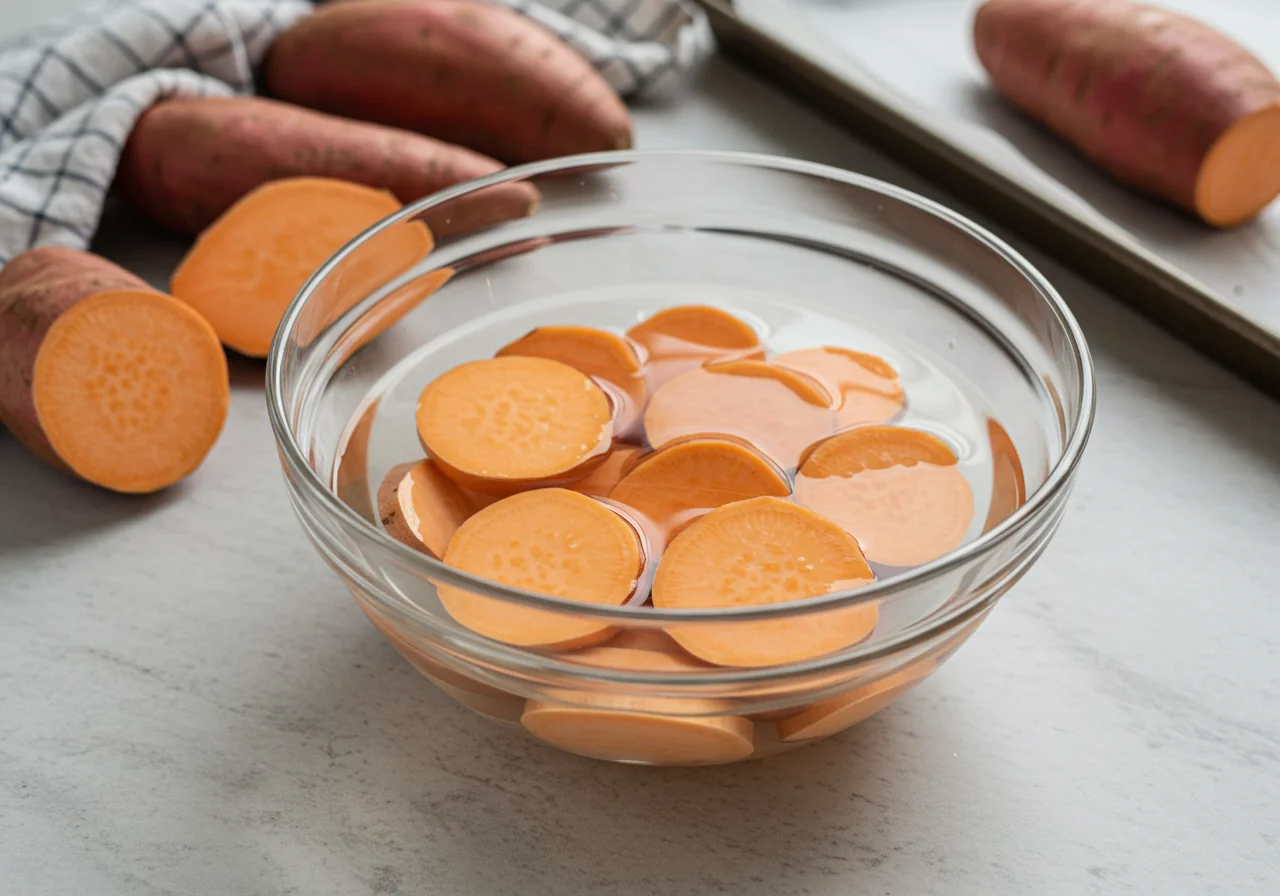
[848, 422]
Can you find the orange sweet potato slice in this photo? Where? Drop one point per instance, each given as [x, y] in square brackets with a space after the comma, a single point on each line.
[837, 713]
[597, 353]
[602, 480]
[681, 338]
[421, 507]
[639, 728]
[757, 552]
[778, 410]
[551, 541]
[899, 491]
[684, 480]
[506, 424]
[865, 387]
[1009, 486]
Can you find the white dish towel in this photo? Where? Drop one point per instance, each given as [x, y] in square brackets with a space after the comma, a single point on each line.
[71, 91]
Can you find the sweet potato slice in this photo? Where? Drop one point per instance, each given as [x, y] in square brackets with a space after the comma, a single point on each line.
[244, 270]
[597, 353]
[866, 389]
[421, 507]
[504, 425]
[684, 480]
[1009, 485]
[639, 728]
[778, 410]
[837, 713]
[679, 339]
[899, 491]
[604, 478]
[757, 552]
[552, 541]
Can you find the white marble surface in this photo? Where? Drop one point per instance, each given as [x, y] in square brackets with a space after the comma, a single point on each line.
[191, 704]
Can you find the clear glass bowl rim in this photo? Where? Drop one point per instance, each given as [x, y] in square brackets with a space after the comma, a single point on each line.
[303, 476]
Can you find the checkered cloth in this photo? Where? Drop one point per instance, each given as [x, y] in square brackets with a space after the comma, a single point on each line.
[71, 91]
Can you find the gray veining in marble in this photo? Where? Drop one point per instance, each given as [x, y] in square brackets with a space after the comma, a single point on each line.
[191, 704]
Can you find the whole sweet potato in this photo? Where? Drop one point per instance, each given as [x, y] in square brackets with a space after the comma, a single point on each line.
[468, 72]
[1161, 101]
[188, 160]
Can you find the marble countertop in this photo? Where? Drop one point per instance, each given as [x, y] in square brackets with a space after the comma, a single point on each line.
[190, 702]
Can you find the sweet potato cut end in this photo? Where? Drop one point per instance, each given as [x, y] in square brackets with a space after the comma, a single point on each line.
[624, 736]
[551, 541]
[693, 328]
[131, 389]
[604, 478]
[421, 507]
[899, 491]
[837, 713]
[514, 422]
[758, 552]
[1240, 175]
[865, 387]
[1009, 484]
[246, 267]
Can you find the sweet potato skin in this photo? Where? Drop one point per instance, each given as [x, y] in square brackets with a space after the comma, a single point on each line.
[36, 288]
[468, 72]
[1143, 92]
[188, 160]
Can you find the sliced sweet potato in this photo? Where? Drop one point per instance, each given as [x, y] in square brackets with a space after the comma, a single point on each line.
[504, 425]
[551, 541]
[598, 353]
[845, 710]
[679, 339]
[899, 491]
[778, 410]
[684, 480]
[1009, 486]
[421, 507]
[604, 478]
[639, 728]
[758, 552]
[866, 389]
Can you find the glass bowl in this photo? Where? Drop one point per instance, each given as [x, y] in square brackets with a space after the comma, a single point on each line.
[673, 227]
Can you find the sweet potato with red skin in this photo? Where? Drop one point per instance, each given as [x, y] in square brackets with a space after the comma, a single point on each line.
[472, 73]
[1163, 102]
[102, 376]
[188, 160]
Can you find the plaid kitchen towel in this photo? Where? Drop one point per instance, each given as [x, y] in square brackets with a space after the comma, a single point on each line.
[71, 91]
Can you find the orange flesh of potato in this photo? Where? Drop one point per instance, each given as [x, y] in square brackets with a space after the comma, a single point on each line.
[675, 484]
[1009, 486]
[680, 339]
[504, 424]
[647, 639]
[245, 269]
[757, 552]
[551, 541]
[844, 710]
[605, 477]
[597, 353]
[131, 390]
[421, 507]
[780, 411]
[634, 728]
[899, 491]
[866, 389]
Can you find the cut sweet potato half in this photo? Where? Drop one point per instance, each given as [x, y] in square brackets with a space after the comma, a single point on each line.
[551, 541]
[866, 389]
[504, 425]
[758, 552]
[597, 353]
[130, 389]
[604, 478]
[837, 713]
[245, 269]
[639, 728]
[677, 340]
[778, 410]
[1008, 486]
[899, 491]
[421, 507]
[684, 480]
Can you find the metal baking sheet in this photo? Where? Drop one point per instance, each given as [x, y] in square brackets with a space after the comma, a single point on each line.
[902, 73]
